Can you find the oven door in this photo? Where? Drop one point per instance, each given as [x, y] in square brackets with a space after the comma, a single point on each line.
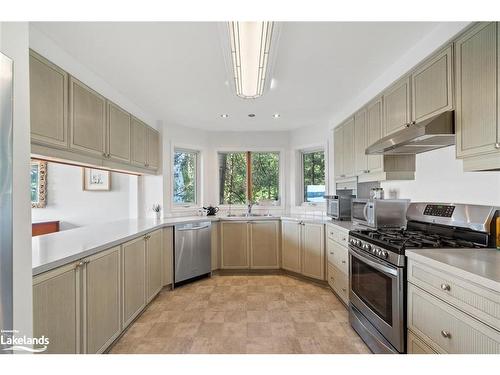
[376, 289]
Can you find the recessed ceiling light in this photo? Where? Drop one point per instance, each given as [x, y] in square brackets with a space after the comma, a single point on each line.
[251, 115]
[224, 115]
[276, 115]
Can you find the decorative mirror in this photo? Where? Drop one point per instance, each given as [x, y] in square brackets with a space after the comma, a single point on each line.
[38, 183]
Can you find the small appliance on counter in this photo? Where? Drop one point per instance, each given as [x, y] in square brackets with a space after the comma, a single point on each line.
[377, 264]
[377, 193]
[211, 211]
[338, 207]
[379, 213]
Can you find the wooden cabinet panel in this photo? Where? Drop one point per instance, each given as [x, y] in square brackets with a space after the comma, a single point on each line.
[48, 102]
[234, 245]
[118, 133]
[290, 244]
[313, 250]
[139, 142]
[338, 255]
[348, 148]
[56, 308]
[102, 299]
[134, 279]
[476, 64]
[396, 104]
[87, 118]
[153, 138]
[432, 86]
[418, 346]
[167, 255]
[448, 329]
[338, 152]
[339, 282]
[360, 142]
[374, 163]
[154, 266]
[264, 244]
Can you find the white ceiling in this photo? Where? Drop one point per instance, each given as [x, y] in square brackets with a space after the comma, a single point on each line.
[176, 70]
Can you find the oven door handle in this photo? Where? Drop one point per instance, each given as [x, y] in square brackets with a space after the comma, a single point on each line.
[378, 266]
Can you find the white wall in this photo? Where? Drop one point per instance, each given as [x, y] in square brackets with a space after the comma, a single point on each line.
[440, 178]
[14, 43]
[74, 207]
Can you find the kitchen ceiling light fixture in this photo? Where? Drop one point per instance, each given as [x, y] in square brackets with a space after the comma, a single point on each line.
[250, 44]
[276, 115]
[224, 115]
[251, 115]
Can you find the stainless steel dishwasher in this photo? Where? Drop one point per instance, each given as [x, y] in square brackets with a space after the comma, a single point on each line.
[192, 255]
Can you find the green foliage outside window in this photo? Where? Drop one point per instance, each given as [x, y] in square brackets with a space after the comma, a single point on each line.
[314, 176]
[185, 177]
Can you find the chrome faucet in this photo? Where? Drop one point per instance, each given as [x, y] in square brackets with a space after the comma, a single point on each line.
[249, 209]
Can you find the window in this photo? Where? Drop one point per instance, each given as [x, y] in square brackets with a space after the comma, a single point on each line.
[38, 178]
[313, 172]
[248, 176]
[185, 176]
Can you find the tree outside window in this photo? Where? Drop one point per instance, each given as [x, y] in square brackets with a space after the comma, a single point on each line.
[313, 166]
[185, 175]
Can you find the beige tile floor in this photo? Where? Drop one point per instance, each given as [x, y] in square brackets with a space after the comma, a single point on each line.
[264, 314]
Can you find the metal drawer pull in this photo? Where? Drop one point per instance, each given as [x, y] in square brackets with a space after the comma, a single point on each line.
[343, 262]
[343, 289]
[497, 145]
[445, 287]
[445, 334]
[331, 252]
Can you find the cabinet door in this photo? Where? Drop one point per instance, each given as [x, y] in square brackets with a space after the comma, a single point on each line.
[48, 102]
[360, 161]
[373, 134]
[234, 245]
[154, 266]
[138, 141]
[348, 141]
[153, 138]
[118, 133]
[134, 279]
[338, 152]
[56, 308]
[432, 86]
[290, 244]
[87, 118]
[397, 106]
[418, 346]
[264, 244]
[167, 255]
[102, 298]
[313, 250]
[477, 125]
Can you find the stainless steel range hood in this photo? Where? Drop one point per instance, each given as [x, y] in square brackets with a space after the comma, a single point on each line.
[433, 133]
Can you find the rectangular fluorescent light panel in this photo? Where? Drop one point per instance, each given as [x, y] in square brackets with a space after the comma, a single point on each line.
[250, 43]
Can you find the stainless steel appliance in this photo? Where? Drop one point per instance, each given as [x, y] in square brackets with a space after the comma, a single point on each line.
[5, 193]
[380, 213]
[377, 273]
[338, 207]
[192, 255]
[430, 134]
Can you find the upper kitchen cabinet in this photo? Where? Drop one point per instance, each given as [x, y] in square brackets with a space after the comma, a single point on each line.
[153, 152]
[338, 152]
[360, 142]
[477, 87]
[87, 119]
[139, 142]
[344, 158]
[396, 106]
[48, 102]
[374, 163]
[432, 86]
[118, 136]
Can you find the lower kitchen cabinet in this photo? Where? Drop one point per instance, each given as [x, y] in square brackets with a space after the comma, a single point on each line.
[234, 245]
[167, 259]
[101, 300]
[134, 279]
[154, 249]
[56, 308]
[417, 346]
[264, 244]
[303, 248]
[339, 282]
[338, 261]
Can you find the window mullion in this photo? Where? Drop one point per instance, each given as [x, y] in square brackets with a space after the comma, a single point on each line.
[249, 176]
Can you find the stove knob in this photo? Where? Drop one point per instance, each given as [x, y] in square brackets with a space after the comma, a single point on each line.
[385, 254]
[358, 242]
[352, 241]
[378, 252]
[367, 247]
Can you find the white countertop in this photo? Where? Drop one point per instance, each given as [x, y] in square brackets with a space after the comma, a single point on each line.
[481, 266]
[347, 225]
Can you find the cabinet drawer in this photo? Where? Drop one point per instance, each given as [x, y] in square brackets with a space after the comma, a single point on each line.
[448, 329]
[418, 346]
[336, 234]
[480, 302]
[339, 282]
[338, 256]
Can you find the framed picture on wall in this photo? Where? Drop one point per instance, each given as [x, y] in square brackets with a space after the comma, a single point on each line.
[96, 180]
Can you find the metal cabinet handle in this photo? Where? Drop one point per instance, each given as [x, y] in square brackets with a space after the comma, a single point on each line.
[343, 238]
[497, 145]
[331, 252]
[343, 262]
[445, 287]
[343, 289]
[445, 334]
[79, 264]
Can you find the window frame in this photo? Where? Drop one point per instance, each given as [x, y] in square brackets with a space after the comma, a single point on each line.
[176, 206]
[300, 185]
[281, 172]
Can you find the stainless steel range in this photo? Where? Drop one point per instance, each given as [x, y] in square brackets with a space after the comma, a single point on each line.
[377, 273]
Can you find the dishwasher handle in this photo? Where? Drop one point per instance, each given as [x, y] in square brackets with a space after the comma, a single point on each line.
[182, 229]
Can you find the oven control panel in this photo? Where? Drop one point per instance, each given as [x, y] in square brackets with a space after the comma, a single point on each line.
[439, 210]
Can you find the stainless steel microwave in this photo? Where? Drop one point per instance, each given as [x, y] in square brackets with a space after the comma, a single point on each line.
[380, 213]
[338, 207]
